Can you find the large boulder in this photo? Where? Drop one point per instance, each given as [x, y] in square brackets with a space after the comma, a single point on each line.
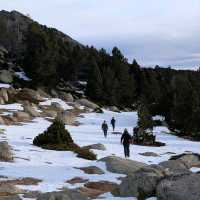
[31, 110]
[87, 103]
[190, 160]
[21, 116]
[6, 76]
[5, 152]
[174, 165]
[30, 95]
[185, 187]
[122, 166]
[65, 195]
[4, 95]
[97, 146]
[142, 183]
[66, 97]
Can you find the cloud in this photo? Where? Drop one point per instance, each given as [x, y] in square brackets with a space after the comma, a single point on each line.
[154, 31]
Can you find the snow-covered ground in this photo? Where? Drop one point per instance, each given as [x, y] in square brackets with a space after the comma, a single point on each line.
[54, 168]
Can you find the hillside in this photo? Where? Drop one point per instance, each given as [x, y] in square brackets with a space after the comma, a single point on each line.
[45, 54]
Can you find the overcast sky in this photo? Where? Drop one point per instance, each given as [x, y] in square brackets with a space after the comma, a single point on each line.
[164, 32]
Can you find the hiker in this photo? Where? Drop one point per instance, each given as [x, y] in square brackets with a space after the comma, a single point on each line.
[113, 123]
[105, 128]
[126, 140]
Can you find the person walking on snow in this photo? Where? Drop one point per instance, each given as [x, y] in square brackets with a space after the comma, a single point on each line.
[105, 128]
[126, 140]
[113, 123]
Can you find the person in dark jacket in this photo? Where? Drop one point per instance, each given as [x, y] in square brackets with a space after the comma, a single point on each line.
[113, 123]
[105, 128]
[126, 140]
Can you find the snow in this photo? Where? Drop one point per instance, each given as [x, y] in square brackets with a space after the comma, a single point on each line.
[3, 85]
[54, 168]
[22, 76]
[62, 103]
[158, 117]
[195, 169]
[14, 106]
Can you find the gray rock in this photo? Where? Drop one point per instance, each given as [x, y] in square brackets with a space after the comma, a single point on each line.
[66, 97]
[21, 116]
[98, 146]
[12, 197]
[4, 95]
[122, 166]
[142, 183]
[149, 154]
[5, 152]
[31, 111]
[56, 105]
[6, 76]
[190, 160]
[92, 170]
[174, 165]
[114, 109]
[87, 103]
[185, 187]
[30, 95]
[65, 195]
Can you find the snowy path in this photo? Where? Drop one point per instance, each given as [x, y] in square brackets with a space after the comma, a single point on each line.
[55, 168]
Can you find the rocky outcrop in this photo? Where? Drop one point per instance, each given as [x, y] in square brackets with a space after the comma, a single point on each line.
[66, 97]
[65, 195]
[190, 159]
[5, 152]
[185, 187]
[31, 110]
[122, 166]
[98, 146]
[87, 104]
[22, 116]
[92, 170]
[30, 95]
[142, 183]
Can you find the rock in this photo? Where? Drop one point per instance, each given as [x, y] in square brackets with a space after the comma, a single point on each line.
[87, 103]
[89, 192]
[122, 166]
[173, 165]
[77, 180]
[2, 122]
[98, 146]
[114, 109]
[54, 93]
[66, 97]
[21, 116]
[152, 154]
[185, 187]
[30, 95]
[190, 160]
[6, 76]
[92, 170]
[56, 105]
[12, 197]
[65, 195]
[142, 183]
[31, 111]
[98, 110]
[5, 152]
[49, 113]
[9, 189]
[42, 93]
[67, 117]
[4, 95]
[102, 186]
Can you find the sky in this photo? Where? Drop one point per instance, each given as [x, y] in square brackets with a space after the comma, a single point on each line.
[163, 32]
